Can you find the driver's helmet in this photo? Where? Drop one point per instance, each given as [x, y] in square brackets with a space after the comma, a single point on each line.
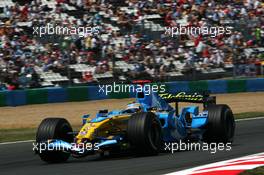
[133, 107]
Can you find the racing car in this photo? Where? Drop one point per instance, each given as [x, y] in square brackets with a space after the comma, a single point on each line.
[142, 127]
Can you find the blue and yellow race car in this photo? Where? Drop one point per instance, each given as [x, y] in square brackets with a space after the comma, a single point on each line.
[142, 127]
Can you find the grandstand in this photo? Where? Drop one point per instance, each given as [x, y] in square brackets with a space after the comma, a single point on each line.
[131, 44]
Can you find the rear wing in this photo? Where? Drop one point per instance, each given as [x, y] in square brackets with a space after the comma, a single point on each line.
[196, 97]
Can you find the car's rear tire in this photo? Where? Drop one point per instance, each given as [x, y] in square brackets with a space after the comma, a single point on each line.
[54, 128]
[221, 124]
[144, 133]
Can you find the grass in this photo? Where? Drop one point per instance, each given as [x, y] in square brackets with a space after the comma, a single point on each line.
[256, 171]
[8, 135]
[249, 115]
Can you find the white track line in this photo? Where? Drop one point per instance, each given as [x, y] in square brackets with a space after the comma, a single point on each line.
[26, 141]
[23, 141]
[246, 119]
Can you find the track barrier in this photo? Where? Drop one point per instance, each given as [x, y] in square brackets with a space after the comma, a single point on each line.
[86, 93]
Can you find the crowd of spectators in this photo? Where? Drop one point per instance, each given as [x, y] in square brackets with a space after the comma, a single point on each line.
[23, 55]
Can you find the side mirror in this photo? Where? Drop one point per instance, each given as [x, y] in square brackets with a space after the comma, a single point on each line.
[85, 119]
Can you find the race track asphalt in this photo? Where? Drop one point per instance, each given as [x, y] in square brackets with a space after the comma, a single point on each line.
[19, 159]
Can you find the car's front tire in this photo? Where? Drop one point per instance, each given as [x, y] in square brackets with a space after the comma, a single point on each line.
[144, 133]
[54, 128]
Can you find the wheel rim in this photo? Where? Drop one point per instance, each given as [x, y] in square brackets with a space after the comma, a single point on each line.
[229, 126]
[154, 135]
[64, 135]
